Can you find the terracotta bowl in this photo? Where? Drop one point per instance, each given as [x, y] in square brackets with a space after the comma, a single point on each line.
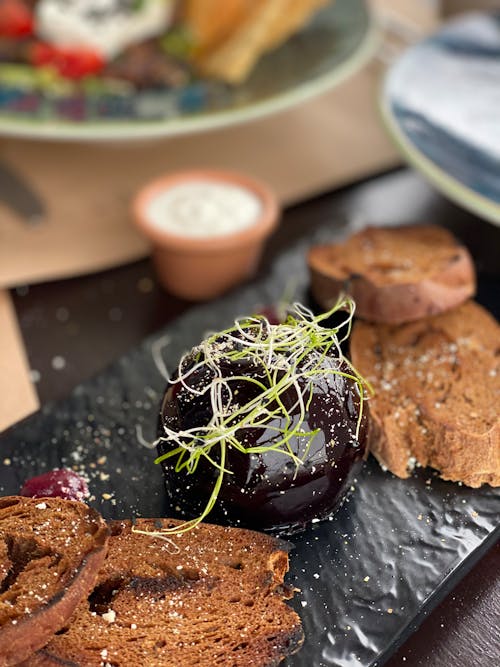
[201, 268]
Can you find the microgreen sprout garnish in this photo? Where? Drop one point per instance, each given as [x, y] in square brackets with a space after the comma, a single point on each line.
[157, 348]
[171, 547]
[285, 361]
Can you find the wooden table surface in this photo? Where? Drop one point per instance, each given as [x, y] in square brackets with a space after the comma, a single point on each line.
[74, 328]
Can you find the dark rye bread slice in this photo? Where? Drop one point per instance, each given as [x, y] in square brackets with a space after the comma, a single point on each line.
[394, 274]
[211, 597]
[437, 392]
[50, 553]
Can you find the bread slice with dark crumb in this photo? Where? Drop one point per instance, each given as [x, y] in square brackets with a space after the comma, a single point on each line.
[213, 596]
[437, 392]
[394, 274]
[51, 551]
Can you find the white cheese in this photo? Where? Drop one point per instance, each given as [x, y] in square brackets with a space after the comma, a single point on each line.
[105, 26]
[204, 209]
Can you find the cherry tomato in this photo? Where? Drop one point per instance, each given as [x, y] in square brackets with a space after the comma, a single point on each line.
[71, 63]
[16, 19]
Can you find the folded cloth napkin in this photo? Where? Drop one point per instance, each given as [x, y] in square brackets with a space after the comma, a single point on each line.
[18, 395]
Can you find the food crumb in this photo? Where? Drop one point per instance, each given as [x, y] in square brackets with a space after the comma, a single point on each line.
[390, 610]
[110, 616]
[366, 579]
[145, 285]
[35, 375]
[106, 496]
[7, 462]
[58, 363]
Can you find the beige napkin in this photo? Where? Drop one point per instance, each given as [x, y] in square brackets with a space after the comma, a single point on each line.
[17, 395]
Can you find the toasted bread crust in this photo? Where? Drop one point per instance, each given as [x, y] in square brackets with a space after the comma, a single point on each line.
[395, 275]
[52, 552]
[210, 596]
[437, 391]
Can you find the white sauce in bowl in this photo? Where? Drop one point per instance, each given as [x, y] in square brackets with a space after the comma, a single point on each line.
[107, 26]
[204, 209]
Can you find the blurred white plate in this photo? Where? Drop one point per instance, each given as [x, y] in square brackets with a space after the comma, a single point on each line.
[441, 104]
[339, 41]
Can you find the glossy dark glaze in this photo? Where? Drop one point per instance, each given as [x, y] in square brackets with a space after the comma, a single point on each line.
[268, 491]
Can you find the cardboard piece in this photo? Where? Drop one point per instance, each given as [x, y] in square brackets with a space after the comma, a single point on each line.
[18, 395]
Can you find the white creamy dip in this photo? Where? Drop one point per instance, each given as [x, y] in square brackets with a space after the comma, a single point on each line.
[107, 26]
[204, 209]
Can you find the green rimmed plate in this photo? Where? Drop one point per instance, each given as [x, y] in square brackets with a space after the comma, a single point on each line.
[339, 41]
[440, 105]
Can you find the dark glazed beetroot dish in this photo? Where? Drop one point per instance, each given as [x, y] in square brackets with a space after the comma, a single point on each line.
[264, 423]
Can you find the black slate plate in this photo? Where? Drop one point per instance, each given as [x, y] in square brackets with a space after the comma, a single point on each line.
[366, 577]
